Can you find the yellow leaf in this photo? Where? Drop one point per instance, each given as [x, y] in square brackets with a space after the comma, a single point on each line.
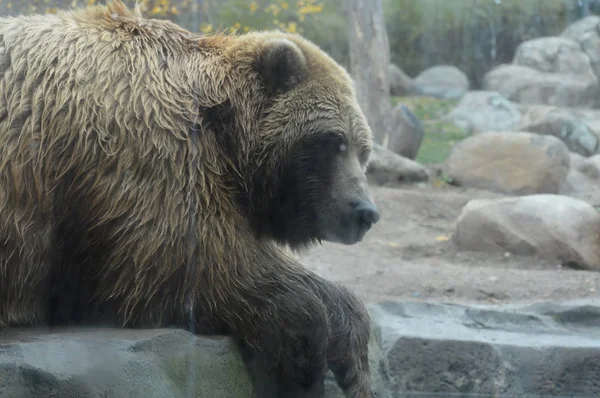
[292, 27]
[392, 244]
[442, 238]
[310, 9]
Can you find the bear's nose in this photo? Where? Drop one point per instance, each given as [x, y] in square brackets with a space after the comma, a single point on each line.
[365, 212]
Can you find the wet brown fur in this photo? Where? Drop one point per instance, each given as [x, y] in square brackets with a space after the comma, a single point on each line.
[132, 157]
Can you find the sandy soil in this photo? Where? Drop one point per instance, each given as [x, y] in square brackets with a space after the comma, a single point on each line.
[405, 256]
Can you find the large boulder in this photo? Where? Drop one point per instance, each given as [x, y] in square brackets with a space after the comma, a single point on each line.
[561, 123]
[591, 167]
[386, 167]
[576, 180]
[584, 173]
[554, 55]
[161, 363]
[583, 180]
[484, 111]
[553, 227]
[529, 86]
[441, 81]
[400, 83]
[586, 32]
[450, 350]
[517, 163]
[406, 132]
[547, 70]
[582, 28]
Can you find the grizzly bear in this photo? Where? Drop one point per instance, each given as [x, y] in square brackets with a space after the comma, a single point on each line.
[156, 177]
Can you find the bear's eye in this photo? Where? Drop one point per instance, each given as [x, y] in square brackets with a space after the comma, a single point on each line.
[336, 142]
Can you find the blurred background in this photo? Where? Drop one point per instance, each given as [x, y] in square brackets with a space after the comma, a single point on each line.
[483, 272]
[473, 35]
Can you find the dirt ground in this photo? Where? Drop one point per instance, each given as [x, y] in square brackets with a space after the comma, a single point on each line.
[407, 256]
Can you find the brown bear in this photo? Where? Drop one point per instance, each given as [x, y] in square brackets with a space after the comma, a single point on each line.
[155, 177]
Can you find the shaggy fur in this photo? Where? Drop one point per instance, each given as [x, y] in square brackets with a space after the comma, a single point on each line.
[151, 175]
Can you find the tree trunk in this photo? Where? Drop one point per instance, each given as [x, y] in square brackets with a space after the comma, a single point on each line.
[369, 63]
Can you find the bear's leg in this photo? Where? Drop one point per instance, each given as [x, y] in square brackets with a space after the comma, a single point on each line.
[347, 355]
[282, 323]
[25, 269]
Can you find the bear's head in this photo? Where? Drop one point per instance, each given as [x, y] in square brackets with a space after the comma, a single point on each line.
[312, 147]
[284, 115]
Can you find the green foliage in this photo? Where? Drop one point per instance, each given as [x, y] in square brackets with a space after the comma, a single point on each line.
[322, 21]
[439, 140]
[267, 14]
[440, 137]
[474, 35]
[426, 108]
[404, 22]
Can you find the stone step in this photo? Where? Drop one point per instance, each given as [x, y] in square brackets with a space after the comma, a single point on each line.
[540, 350]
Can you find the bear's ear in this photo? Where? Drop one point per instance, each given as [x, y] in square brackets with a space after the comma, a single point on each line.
[281, 65]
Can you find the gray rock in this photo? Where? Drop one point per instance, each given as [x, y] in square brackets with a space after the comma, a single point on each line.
[545, 349]
[558, 55]
[146, 363]
[484, 111]
[400, 83]
[582, 27]
[563, 124]
[440, 92]
[441, 81]
[553, 227]
[581, 186]
[118, 363]
[591, 167]
[516, 163]
[406, 132]
[526, 85]
[578, 134]
[583, 180]
[586, 32]
[547, 70]
[577, 182]
[386, 167]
